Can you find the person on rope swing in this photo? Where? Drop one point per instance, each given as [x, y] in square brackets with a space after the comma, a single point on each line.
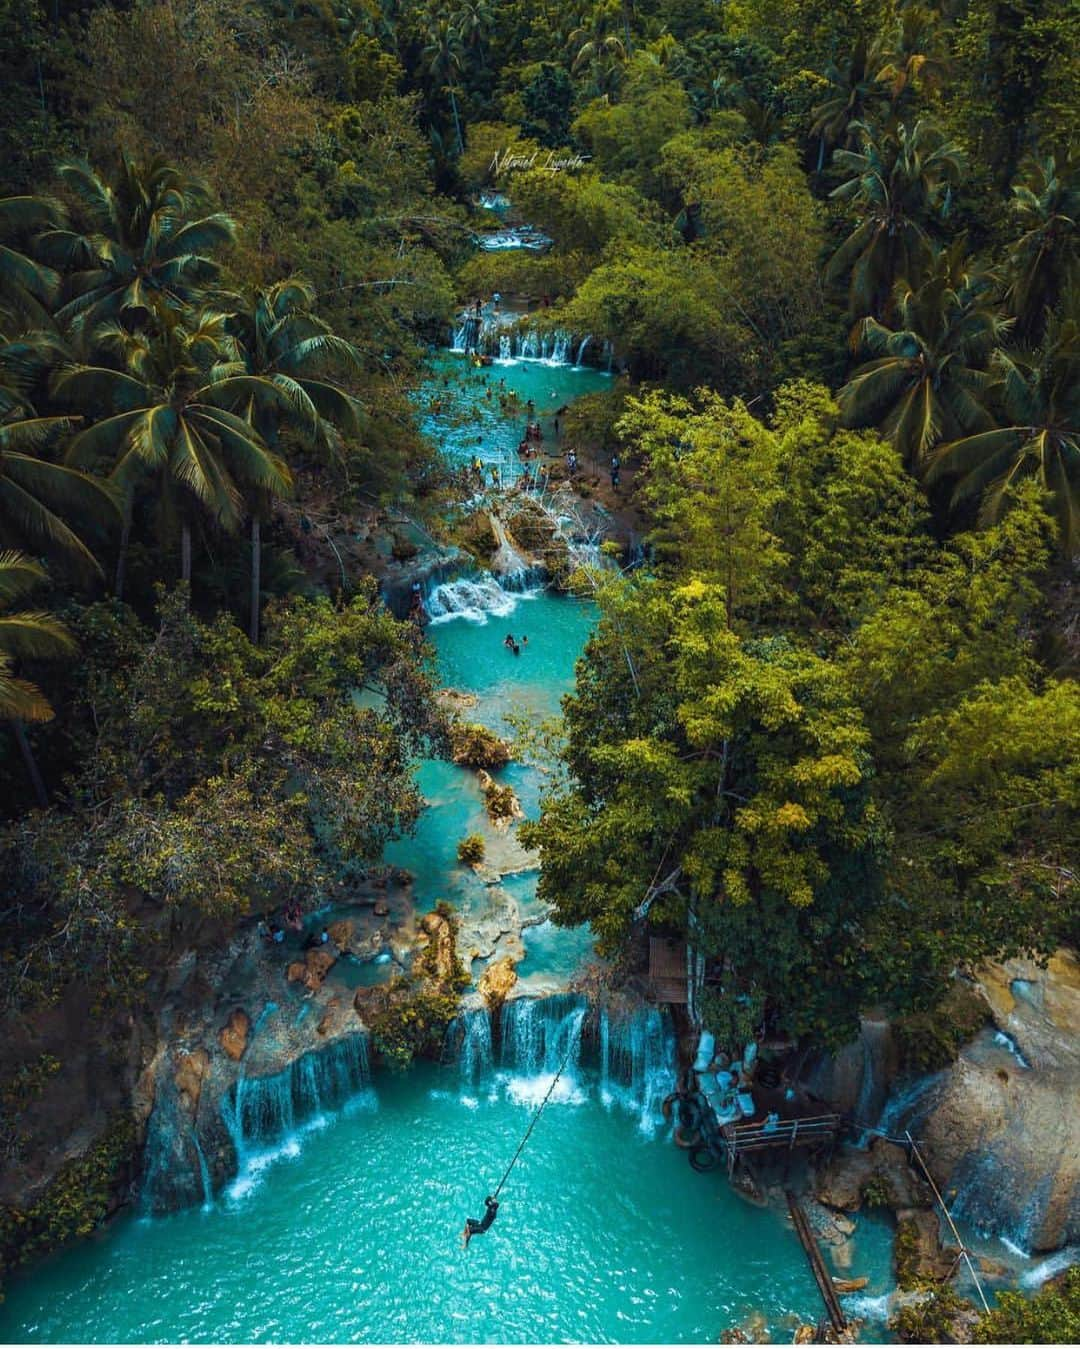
[475, 1225]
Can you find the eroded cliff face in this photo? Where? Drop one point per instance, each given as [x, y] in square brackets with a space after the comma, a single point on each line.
[1002, 1128]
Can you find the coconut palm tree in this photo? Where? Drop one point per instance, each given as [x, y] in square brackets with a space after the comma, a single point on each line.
[853, 92]
[595, 43]
[925, 376]
[1044, 263]
[140, 239]
[27, 286]
[171, 421]
[913, 56]
[281, 340]
[33, 634]
[444, 58]
[899, 180]
[1035, 396]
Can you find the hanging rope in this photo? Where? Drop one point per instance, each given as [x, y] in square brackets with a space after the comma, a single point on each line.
[536, 1116]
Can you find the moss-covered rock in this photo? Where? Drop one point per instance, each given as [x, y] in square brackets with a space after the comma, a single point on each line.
[82, 1194]
[474, 746]
[930, 1040]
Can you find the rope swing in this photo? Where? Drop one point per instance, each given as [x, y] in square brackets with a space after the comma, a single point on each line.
[492, 1201]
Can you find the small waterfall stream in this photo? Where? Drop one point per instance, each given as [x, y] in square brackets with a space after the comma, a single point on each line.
[628, 1059]
[262, 1110]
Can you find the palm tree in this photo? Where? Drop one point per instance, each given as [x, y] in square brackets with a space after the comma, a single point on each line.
[914, 56]
[142, 240]
[1044, 263]
[38, 497]
[924, 379]
[853, 91]
[27, 287]
[899, 180]
[444, 58]
[474, 24]
[34, 634]
[171, 421]
[596, 43]
[1036, 396]
[282, 340]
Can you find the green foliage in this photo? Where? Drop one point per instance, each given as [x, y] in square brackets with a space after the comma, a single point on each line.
[1052, 1316]
[471, 849]
[221, 777]
[500, 802]
[476, 746]
[927, 1041]
[79, 1198]
[933, 1319]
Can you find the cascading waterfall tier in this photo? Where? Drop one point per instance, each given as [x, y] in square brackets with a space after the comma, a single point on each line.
[261, 1110]
[628, 1056]
[507, 340]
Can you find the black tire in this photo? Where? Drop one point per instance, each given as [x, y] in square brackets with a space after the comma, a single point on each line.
[689, 1113]
[703, 1158]
[668, 1106]
[690, 1144]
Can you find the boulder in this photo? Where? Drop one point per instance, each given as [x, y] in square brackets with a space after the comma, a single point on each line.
[381, 909]
[850, 1285]
[474, 746]
[497, 981]
[313, 969]
[341, 933]
[440, 958]
[191, 1069]
[329, 1016]
[234, 1034]
[879, 1175]
[919, 1257]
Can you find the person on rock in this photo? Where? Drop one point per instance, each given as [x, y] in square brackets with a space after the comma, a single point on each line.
[477, 1225]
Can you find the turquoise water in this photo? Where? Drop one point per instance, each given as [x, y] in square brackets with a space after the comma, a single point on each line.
[348, 1228]
[352, 1234]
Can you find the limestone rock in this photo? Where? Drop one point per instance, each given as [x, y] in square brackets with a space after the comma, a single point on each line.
[329, 1016]
[341, 933]
[804, 1335]
[502, 806]
[850, 1285]
[918, 1254]
[234, 1034]
[381, 909]
[881, 1170]
[497, 981]
[474, 746]
[439, 959]
[455, 700]
[190, 1071]
[313, 969]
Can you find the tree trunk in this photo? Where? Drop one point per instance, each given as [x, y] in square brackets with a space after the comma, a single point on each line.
[185, 553]
[457, 123]
[34, 773]
[256, 567]
[125, 539]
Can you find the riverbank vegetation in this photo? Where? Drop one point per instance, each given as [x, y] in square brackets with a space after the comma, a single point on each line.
[831, 732]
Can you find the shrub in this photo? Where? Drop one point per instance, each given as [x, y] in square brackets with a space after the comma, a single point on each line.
[500, 801]
[471, 849]
[474, 746]
[930, 1040]
[1052, 1316]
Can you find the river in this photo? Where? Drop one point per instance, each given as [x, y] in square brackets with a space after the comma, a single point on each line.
[347, 1228]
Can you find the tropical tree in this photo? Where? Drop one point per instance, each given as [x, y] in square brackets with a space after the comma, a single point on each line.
[913, 57]
[853, 92]
[39, 497]
[444, 58]
[33, 634]
[596, 44]
[1036, 399]
[923, 381]
[171, 421]
[899, 180]
[281, 340]
[1044, 264]
[27, 287]
[140, 239]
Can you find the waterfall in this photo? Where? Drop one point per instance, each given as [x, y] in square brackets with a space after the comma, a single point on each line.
[475, 1054]
[265, 1109]
[609, 354]
[637, 1061]
[581, 349]
[505, 348]
[479, 597]
[1046, 1269]
[539, 1033]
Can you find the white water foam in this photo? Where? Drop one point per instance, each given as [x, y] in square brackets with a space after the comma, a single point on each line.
[1054, 1264]
[476, 599]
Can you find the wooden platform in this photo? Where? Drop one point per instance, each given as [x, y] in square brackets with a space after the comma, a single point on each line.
[667, 970]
